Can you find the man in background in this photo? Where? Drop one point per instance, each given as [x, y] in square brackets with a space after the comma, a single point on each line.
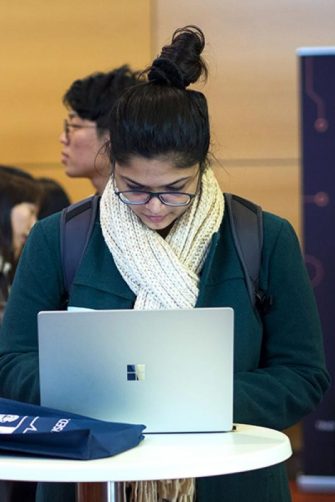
[89, 101]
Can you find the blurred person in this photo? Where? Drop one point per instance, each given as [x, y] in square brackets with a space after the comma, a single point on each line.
[19, 199]
[89, 101]
[53, 197]
[19, 205]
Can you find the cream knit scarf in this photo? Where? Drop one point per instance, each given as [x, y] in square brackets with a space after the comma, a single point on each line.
[164, 274]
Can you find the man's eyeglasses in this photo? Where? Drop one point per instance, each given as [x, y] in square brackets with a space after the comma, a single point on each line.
[138, 197]
[68, 127]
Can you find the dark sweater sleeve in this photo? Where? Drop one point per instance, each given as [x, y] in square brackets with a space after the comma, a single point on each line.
[291, 378]
[38, 285]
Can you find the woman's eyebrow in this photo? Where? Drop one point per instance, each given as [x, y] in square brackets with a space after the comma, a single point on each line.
[176, 182]
[181, 180]
[133, 182]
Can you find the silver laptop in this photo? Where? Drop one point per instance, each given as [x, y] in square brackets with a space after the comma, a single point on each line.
[171, 370]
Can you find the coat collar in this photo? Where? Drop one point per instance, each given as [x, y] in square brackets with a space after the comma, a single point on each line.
[98, 270]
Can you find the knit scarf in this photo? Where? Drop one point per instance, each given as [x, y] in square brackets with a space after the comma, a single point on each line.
[164, 274]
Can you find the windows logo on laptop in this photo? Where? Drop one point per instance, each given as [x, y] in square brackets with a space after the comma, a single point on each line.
[136, 372]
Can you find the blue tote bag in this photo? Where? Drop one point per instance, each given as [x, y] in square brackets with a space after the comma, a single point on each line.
[38, 430]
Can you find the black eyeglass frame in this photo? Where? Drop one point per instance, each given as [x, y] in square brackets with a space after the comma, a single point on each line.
[67, 127]
[150, 195]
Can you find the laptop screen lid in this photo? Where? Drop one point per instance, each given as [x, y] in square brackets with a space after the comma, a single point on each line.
[171, 370]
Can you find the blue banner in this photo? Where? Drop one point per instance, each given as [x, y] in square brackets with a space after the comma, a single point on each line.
[317, 94]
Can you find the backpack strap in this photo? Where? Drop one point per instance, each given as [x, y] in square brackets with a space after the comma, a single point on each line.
[76, 225]
[246, 221]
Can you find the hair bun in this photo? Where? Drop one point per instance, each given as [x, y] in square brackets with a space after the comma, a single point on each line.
[180, 63]
[166, 71]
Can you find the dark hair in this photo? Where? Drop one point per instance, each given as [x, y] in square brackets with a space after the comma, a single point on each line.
[54, 197]
[14, 189]
[92, 97]
[16, 171]
[161, 118]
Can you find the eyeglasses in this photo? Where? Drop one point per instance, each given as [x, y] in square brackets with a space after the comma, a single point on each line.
[138, 197]
[68, 127]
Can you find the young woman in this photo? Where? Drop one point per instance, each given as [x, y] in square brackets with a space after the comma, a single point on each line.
[162, 240]
[19, 198]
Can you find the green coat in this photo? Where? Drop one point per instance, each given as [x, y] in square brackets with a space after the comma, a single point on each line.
[280, 373]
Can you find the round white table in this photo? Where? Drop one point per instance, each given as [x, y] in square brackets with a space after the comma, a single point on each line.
[160, 456]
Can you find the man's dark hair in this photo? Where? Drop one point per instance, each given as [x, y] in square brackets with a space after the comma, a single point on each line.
[93, 97]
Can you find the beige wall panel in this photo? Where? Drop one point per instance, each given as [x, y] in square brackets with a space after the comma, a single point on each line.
[276, 189]
[251, 51]
[45, 45]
